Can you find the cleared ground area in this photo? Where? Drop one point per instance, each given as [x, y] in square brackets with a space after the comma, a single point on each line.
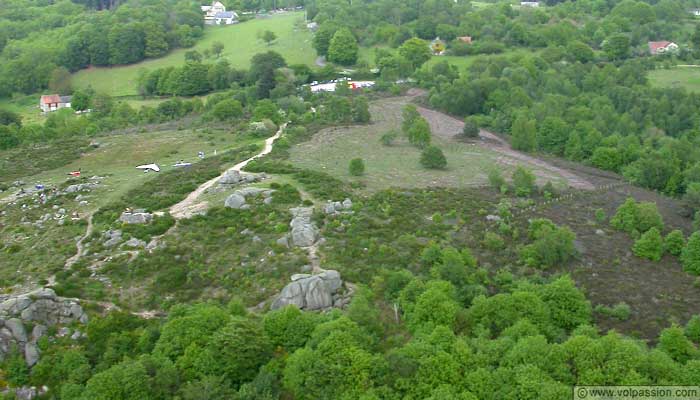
[398, 165]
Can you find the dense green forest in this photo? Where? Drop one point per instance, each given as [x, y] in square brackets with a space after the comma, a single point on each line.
[36, 40]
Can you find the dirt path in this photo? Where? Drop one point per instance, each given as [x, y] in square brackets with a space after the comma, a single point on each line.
[190, 207]
[447, 126]
[69, 262]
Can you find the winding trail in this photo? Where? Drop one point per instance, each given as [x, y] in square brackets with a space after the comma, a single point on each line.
[81, 249]
[190, 207]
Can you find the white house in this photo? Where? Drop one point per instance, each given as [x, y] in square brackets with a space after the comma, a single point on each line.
[662, 47]
[216, 14]
[695, 11]
[533, 4]
[53, 102]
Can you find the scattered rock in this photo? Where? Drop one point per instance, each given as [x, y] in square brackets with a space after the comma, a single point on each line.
[334, 207]
[283, 241]
[492, 217]
[113, 237]
[256, 239]
[153, 244]
[16, 326]
[235, 201]
[64, 331]
[134, 242]
[31, 354]
[268, 200]
[37, 332]
[135, 217]
[600, 232]
[80, 187]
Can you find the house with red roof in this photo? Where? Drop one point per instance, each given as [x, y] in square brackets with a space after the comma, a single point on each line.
[53, 102]
[662, 47]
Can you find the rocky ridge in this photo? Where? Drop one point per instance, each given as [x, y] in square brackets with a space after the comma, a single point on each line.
[42, 308]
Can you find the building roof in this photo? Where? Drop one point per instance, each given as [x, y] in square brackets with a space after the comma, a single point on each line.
[50, 99]
[656, 46]
[218, 4]
[225, 14]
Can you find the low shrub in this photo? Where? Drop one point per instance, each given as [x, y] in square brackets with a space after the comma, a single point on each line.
[620, 311]
[650, 245]
[551, 245]
[493, 241]
[524, 182]
[433, 158]
[674, 242]
[356, 167]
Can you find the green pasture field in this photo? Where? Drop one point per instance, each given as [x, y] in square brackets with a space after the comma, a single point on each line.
[240, 41]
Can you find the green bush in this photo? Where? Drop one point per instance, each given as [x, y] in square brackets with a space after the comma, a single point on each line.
[286, 194]
[631, 216]
[548, 190]
[674, 242]
[551, 245]
[388, 138]
[356, 167]
[524, 182]
[496, 179]
[692, 328]
[471, 128]
[158, 226]
[621, 311]
[600, 215]
[433, 158]
[650, 245]
[690, 256]
[493, 241]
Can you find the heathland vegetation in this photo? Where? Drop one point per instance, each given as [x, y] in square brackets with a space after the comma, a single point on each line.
[507, 212]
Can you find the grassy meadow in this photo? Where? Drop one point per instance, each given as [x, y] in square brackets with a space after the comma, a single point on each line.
[677, 77]
[241, 44]
[118, 155]
[398, 165]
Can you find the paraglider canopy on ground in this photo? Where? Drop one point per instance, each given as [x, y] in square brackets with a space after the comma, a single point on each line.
[149, 167]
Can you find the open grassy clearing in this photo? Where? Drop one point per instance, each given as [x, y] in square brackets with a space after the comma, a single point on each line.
[117, 156]
[677, 77]
[241, 44]
[26, 106]
[398, 165]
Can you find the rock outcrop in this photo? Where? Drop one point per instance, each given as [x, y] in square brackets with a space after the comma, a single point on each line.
[313, 292]
[136, 217]
[41, 308]
[304, 232]
[81, 187]
[233, 177]
[112, 237]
